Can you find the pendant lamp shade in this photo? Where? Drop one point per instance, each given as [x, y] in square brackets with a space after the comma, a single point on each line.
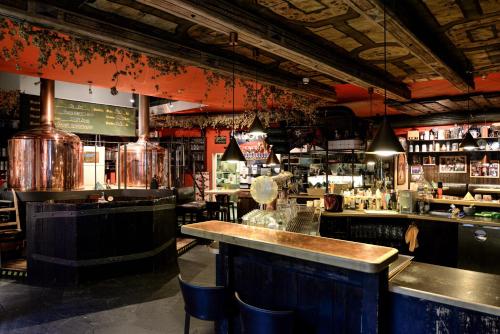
[233, 152]
[257, 128]
[272, 159]
[468, 143]
[385, 143]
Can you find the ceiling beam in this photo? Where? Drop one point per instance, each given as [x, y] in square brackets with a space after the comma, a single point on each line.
[411, 25]
[274, 37]
[61, 16]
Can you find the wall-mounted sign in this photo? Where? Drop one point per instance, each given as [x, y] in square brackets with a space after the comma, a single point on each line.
[81, 117]
[91, 118]
[220, 139]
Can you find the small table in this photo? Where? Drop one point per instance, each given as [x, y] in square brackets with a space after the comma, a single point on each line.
[230, 192]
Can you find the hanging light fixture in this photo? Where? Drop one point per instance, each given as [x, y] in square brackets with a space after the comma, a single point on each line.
[272, 159]
[385, 143]
[233, 151]
[370, 159]
[468, 142]
[256, 128]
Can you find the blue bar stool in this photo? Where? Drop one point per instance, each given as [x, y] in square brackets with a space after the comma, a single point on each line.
[205, 303]
[256, 320]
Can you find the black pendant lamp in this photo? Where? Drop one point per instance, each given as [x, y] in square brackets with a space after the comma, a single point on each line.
[272, 159]
[256, 128]
[233, 151]
[385, 143]
[468, 142]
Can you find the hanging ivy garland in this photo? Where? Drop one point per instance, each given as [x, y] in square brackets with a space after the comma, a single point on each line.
[72, 52]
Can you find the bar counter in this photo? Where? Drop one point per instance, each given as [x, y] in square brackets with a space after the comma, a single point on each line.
[339, 253]
[314, 277]
[428, 217]
[70, 241]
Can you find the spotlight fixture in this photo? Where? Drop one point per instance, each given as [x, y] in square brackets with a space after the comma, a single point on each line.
[385, 143]
[90, 87]
[305, 81]
[233, 151]
[114, 91]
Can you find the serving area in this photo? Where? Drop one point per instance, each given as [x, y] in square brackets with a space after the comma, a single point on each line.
[317, 277]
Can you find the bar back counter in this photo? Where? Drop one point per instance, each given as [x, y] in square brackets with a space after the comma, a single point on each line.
[73, 239]
[337, 286]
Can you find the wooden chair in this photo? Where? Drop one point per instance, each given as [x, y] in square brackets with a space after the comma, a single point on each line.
[11, 237]
[215, 211]
[225, 203]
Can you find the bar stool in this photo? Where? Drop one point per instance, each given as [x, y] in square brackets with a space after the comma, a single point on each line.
[256, 320]
[215, 211]
[224, 201]
[205, 303]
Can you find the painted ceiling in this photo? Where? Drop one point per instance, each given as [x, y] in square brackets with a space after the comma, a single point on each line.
[350, 31]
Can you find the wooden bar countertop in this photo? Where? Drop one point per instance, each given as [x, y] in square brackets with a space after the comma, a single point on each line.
[339, 253]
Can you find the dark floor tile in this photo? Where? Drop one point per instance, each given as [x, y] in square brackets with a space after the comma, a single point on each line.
[149, 303]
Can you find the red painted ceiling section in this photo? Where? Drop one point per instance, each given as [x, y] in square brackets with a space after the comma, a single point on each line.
[191, 86]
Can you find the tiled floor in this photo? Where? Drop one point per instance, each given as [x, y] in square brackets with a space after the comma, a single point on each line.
[149, 303]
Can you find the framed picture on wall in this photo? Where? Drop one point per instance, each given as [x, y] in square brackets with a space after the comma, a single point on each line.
[429, 161]
[416, 170]
[478, 169]
[402, 169]
[416, 177]
[453, 164]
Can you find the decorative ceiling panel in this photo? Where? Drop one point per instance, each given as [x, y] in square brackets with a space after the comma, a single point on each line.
[306, 10]
[475, 33]
[445, 11]
[353, 33]
[134, 14]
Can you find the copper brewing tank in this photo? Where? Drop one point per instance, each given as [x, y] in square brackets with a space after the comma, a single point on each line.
[142, 160]
[44, 158]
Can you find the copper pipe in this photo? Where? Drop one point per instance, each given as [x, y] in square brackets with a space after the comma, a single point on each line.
[47, 96]
[143, 117]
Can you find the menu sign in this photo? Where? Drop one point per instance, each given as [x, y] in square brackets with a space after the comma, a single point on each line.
[81, 117]
[30, 111]
[91, 118]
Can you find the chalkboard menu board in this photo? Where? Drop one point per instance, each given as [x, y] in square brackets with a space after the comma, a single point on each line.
[82, 117]
[30, 111]
[91, 118]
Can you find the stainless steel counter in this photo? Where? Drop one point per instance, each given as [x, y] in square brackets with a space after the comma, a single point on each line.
[457, 287]
[392, 214]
